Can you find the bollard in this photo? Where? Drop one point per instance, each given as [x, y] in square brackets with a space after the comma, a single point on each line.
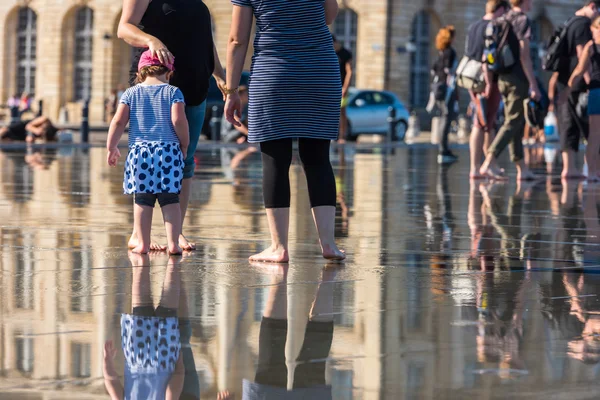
[392, 124]
[215, 124]
[40, 108]
[85, 122]
[414, 128]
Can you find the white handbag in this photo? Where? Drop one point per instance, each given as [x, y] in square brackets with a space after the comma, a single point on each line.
[470, 75]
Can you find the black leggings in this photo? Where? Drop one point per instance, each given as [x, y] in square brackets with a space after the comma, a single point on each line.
[277, 158]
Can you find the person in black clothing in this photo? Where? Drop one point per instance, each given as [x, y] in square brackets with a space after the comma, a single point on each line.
[179, 31]
[590, 57]
[572, 123]
[346, 72]
[446, 97]
[40, 128]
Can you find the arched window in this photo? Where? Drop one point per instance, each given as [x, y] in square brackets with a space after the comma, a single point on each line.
[84, 27]
[419, 60]
[26, 50]
[345, 30]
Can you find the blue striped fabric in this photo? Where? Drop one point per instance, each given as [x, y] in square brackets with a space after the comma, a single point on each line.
[295, 85]
[150, 112]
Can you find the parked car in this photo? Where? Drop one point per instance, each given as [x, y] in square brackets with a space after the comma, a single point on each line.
[368, 112]
[215, 98]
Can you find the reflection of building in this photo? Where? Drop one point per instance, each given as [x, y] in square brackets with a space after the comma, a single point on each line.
[78, 54]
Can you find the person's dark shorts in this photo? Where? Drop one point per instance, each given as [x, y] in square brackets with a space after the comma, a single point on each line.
[149, 199]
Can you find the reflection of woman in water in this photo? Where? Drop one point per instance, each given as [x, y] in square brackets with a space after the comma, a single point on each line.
[270, 381]
[154, 368]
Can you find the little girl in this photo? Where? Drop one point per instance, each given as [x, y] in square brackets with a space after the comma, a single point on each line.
[158, 141]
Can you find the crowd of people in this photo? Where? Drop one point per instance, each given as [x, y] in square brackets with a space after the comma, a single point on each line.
[501, 43]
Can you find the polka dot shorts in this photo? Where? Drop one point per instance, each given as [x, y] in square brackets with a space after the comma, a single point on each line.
[153, 167]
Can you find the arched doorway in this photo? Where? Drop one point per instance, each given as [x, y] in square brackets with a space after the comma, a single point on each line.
[419, 59]
[82, 54]
[26, 50]
[345, 30]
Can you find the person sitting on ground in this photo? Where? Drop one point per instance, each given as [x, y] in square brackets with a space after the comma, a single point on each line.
[38, 129]
[237, 134]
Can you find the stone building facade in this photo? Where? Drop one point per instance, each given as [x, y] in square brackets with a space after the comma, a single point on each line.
[66, 50]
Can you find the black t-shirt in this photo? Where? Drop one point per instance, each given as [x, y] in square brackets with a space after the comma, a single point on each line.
[17, 131]
[344, 57]
[579, 33]
[185, 27]
[475, 43]
[445, 62]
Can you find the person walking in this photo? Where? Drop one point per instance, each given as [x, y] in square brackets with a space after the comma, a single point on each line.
[181, 29]
[572, 123]
[345, 59]
[516, 85]
[295, 93]
[444, 73]
[487, 103]
[590, 61]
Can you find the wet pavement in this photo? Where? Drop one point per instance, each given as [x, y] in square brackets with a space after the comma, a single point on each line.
[451, 290]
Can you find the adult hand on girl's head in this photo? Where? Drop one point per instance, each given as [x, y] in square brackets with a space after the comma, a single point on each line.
[233, 109]
[160, 51]
[113, 157]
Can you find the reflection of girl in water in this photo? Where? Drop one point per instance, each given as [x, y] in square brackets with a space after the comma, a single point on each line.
[150, 337]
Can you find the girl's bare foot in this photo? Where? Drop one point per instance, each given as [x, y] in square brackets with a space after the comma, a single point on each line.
[331, 252]
[133, 243]
[141, 249]
[275, 254]
[185, 244]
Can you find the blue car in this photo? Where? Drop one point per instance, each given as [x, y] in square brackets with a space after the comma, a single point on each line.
[368, 111]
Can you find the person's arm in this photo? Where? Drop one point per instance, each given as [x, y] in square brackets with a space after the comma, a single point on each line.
[180, 123]
[331, 11]
[348, 79]
[115, 131]
[175, 385]
[111, 378]
[237, 48]
[552, 90]
[131, 16]
[219, 72]
[528, 68]
[582, 67]
[243, 129]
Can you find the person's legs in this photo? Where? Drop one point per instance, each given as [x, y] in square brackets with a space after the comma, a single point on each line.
[276, 158]
[570, 135]
[501, 139]
[195, 116]
[310, 371]
[593, 148]
[448, 114]
[142, 220]
[169, 204]
[169, 299]
[314, 154]
[141, 292]
[272, 369]
[476, 142]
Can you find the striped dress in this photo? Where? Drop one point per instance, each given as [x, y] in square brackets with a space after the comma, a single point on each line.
[295, 87]
[155, 162]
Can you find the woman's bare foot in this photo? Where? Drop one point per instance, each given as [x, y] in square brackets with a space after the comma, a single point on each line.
[275, 254]
[224, 395]
[133, 243]
[141, 249]
[493, 173]
[185, 244]
[331, 252]
[175, 250]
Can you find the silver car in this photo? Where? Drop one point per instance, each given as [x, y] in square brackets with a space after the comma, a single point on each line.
[368, 112]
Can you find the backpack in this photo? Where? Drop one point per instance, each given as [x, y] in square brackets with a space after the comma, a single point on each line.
[557, 48]
[498, 52]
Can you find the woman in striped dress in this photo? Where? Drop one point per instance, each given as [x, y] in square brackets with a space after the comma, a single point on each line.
[295, 92]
